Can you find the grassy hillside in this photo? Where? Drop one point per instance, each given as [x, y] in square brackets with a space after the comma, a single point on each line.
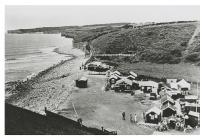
[87, 34]
[157, 43]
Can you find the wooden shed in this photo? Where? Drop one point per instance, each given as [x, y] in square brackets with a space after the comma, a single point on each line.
[123, 84]
[148, 86]
[153, 115]
[168, 110]
[82, 82]
[193, 119]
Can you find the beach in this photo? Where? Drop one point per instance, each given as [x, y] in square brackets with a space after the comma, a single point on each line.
[48, 84]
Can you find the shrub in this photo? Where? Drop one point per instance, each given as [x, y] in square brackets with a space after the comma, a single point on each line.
[193, 57]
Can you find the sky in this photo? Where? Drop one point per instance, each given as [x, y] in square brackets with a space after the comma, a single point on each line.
[17, 17]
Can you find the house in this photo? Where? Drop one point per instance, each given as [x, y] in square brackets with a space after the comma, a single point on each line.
[193, 119]
[167, 99]
[113, 78]
[168, 110]
[82, 82]
[153, 115]
[184, 85]
[148, 86]
[171, 81]
[123, 84]
[97, 66]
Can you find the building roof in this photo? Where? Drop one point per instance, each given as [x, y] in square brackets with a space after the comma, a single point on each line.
[133, 74]
[166, 98]
[192, 104]
[113, 76]
[168, 105]
[135, 81]
[117, 72]
[195, 114]
[127, 81]
[83, 79]
[184, 84]
[98, 64]
[116, 75]
[153, 109]
[171, 91]
[173, 85]
[193, 97]
[148, 83]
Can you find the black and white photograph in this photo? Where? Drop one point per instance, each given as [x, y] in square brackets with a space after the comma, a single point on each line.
[102, 70]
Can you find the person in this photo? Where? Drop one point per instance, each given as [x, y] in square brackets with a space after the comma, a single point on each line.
[80, 121]
[123, 115]
[135, 118]
[131, 119]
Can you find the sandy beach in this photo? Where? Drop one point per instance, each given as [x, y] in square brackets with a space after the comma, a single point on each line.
[50, 90]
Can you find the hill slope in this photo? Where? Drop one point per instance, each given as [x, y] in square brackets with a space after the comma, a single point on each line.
[157, 43]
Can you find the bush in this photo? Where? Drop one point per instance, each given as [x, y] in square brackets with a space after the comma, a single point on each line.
[193, 57]
[176, 52]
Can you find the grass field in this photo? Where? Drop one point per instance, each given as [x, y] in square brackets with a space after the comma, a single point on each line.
[183, 70]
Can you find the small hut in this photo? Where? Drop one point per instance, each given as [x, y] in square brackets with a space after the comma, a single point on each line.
[148, 86]
[123, 84]
[193, 119]
[153, 115]
[97, 66]
[168, 110]
[82, 82]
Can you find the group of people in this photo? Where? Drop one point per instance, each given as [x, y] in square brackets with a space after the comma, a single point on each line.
[133, 119]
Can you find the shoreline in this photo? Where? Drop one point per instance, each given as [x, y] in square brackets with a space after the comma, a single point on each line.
[11, 87]
[33, 75]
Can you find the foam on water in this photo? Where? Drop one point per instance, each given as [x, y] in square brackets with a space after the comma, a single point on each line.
[36, 55]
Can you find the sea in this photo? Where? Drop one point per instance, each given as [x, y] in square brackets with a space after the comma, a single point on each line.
[28, 54]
